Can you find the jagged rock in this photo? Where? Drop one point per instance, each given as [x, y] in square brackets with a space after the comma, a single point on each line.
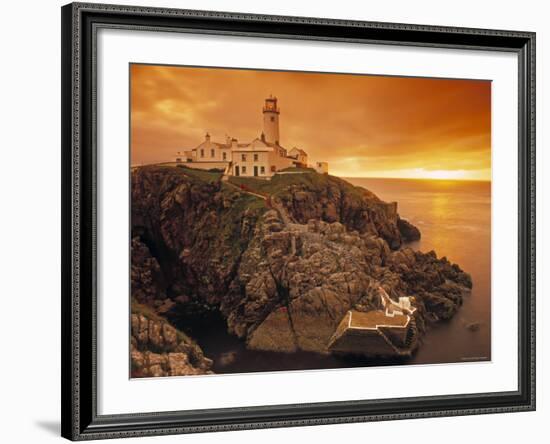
[263, 337]
[439, 306]
[408, 231]
[145, 274]
[156, 349]
[331, 199]
[303, 295]
[198, 229]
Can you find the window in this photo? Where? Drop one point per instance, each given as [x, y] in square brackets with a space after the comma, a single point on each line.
[272, 118]
[255, 157]
[244, 170]
[262, 170]
[224, 156]
[212, 153]
[273, 168]
[202, 153]
[243, 158]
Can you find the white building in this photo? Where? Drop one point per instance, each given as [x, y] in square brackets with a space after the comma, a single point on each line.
[321, 167]
[262, 157]
[392, 308]
[300, 155]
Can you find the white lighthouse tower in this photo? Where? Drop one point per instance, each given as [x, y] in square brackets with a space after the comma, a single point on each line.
[271, 120]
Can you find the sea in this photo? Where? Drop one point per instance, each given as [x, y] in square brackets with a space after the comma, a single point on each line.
[454, 218]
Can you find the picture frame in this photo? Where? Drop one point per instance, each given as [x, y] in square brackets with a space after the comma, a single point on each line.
[80, 212]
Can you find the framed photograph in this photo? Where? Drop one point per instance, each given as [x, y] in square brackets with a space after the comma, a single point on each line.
[280, 221]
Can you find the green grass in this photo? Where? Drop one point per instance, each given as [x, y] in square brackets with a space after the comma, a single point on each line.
[190, 175]
[230, 224]
[204, 175]
[298, 170]
[279, 182]
[241, 203]
[309, 180]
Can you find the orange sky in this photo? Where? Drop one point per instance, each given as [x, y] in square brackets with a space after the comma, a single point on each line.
[364, 126]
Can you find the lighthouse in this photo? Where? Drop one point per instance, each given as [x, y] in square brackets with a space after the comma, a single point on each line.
[271, 120]
[262, 158]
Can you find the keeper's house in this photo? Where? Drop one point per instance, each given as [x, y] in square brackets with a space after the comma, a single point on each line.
[262, 157]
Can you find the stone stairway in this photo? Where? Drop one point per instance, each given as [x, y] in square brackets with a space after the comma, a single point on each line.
[408, 347]
[411, 334]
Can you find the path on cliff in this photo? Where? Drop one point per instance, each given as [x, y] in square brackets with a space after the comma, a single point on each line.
[273, 203]
[243, 190]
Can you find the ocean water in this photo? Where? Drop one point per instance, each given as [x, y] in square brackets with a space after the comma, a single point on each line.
[454, 218]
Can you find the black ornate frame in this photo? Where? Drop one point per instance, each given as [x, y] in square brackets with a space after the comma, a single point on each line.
[80, 22]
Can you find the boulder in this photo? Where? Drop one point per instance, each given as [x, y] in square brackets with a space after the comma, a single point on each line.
[158, 349]
[407, 230]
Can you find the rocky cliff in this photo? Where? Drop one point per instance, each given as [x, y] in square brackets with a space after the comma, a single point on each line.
[282, 260]
[158, 349]
[330, 199]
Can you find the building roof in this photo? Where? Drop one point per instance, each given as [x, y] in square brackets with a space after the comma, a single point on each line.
[256, 144]
[222, 145]
[218, 144]
[301, 151]
[274, 145]
[253, 150]
[374, 318]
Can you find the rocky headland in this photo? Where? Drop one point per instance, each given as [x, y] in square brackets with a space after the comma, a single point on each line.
[283, 261]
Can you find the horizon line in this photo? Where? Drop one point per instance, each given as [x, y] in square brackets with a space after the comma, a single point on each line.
[411, 178]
